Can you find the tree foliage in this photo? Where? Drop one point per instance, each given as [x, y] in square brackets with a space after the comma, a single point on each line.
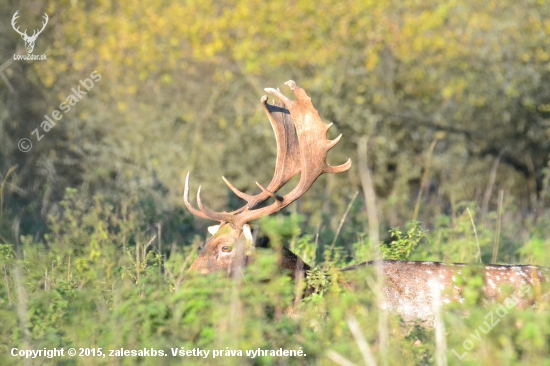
[453, 96]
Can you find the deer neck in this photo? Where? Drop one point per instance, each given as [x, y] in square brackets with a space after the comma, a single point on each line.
[293, 263]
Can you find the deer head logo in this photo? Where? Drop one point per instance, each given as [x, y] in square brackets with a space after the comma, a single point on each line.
[29, 40]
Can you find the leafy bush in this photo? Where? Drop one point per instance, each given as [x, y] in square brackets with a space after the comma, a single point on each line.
[102, 283]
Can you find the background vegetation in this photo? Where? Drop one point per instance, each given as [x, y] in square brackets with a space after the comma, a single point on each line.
[453, 99]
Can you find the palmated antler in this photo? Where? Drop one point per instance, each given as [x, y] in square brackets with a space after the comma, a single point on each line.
[287, 165]
[302, 147]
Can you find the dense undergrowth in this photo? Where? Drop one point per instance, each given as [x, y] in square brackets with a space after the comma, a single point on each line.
[100, 281]
[446, 104]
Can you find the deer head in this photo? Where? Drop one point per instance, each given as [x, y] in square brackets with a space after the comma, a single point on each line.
[302, 148]
[29, 40]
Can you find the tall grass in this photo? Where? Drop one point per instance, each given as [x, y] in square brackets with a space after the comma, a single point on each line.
[100, 281]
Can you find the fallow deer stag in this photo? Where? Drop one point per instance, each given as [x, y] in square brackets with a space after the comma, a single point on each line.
[302, 148]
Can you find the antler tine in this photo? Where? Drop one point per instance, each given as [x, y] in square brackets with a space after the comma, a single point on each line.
[237, 192]
[249, 198]
[338, 168]
[188, 204]
[268, 192]
[203, 211]
[213, 215]
[279, 95]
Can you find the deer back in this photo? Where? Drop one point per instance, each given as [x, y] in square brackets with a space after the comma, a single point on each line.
[411, 288]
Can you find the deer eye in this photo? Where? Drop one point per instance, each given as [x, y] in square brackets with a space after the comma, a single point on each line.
[227, 249]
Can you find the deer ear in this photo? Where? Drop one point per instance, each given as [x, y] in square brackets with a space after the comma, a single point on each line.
[213, 229]
[247, 233]
[249, 240]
